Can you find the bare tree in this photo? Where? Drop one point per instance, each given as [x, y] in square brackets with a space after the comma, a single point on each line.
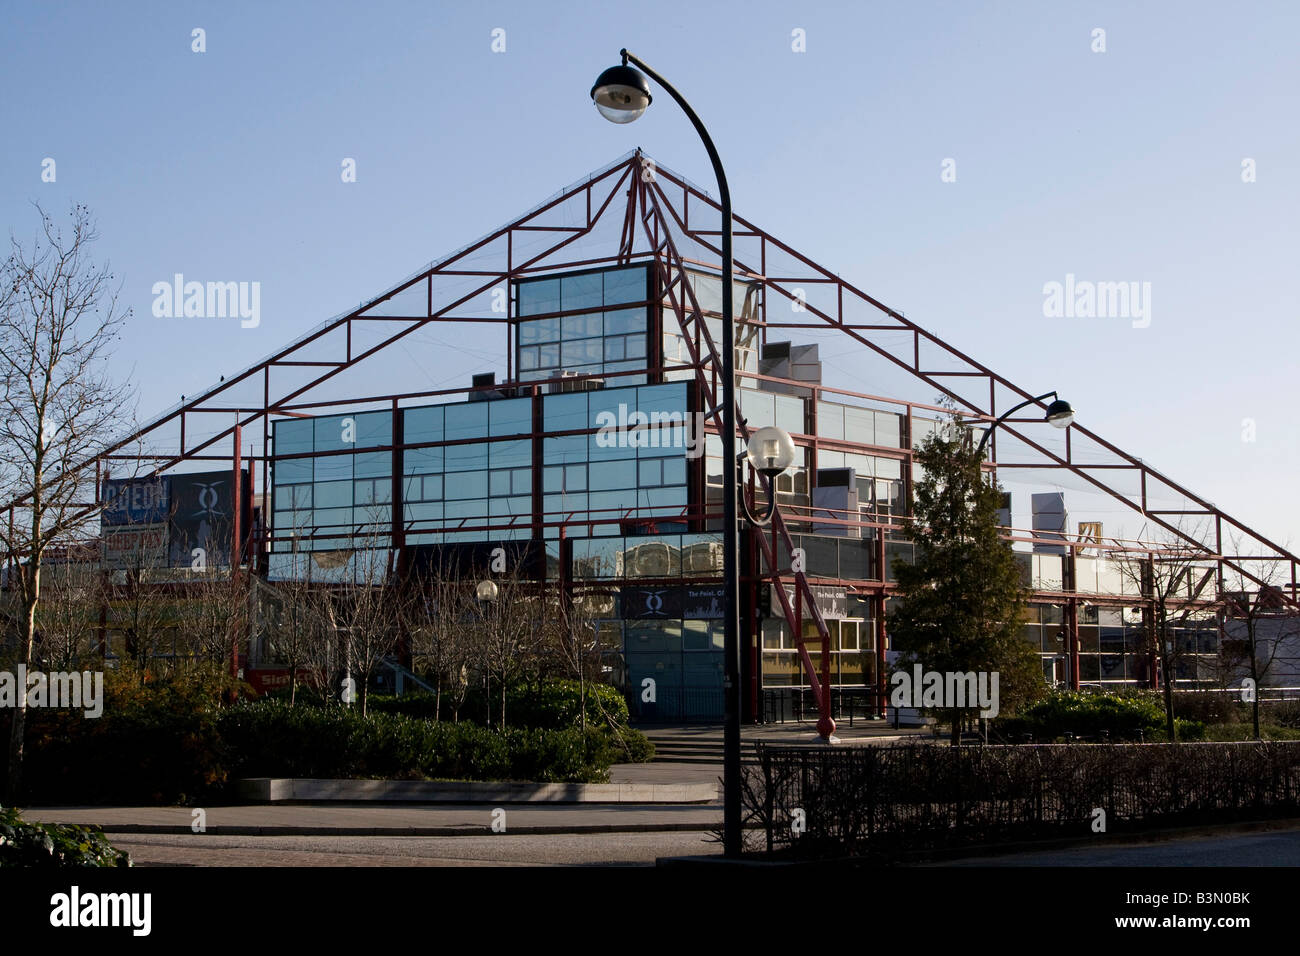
[1257, 620]
[369, 609]
[58, 320]
[510, 633]
[67, 618]
[294, 632]
[1174, 580]
[436, 619]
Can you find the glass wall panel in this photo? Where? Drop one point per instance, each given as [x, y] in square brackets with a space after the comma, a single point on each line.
[510, 416]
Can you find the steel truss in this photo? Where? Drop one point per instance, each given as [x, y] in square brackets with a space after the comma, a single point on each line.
[661, 215]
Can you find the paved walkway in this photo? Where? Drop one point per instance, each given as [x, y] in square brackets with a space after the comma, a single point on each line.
[388, 819]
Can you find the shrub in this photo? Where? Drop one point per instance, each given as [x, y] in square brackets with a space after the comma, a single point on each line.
[156, 742]
[271, 739]
[1123, 716]
[54, 844]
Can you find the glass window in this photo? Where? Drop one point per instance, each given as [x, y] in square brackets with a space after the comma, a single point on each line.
[580, 352]
[471, 457]
[421, 425]
[373, 464]
[527, 359]
[830, 420]
[297, 469]
[859, 425]
[789, 413]
[625, 285]
[333, 467]
[288, 497]
[499, 483]
[634, 346]
[888, 429]
[374, 428]
[650, 472]
[329, 433]
[333, 494]
[674, 471]
[614, 349]
[559, 451]
[469, 420]
[373, 491]
[759, 408]
[471, 508]
[422, 461]
[625, 321]
[467, 484]
[426, 512]
[563, 413]
[581, 291]
[510, 416]
[575, 477]
[582, 326]
[539, 296]
[511, 454]
[613, 474]
[293, 436]
[548, 356]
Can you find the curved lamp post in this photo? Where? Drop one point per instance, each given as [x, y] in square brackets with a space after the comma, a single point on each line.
[1059, 413]
[621, 94]
[770, 452]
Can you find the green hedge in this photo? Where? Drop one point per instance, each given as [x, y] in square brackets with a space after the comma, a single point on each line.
[54, 844]
[174, 743]
[1124, 716]
[272, 739]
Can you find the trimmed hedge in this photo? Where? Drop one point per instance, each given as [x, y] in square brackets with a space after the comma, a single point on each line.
[54, 844]
[1125, 716]
[272, 739]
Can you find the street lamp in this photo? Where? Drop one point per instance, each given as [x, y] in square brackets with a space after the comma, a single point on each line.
[1059, 413]
[486, 591]
[770, 452]
[621, 94]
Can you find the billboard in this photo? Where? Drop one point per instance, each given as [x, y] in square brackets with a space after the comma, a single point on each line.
[137, 546]
[164, 521]
[134, 502]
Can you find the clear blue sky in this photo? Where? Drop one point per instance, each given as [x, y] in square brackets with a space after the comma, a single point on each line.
[1122, 165]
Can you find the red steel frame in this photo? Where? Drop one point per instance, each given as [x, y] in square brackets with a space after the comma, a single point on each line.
[654, 209]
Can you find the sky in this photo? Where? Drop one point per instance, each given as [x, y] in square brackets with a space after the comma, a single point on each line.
[951, 159]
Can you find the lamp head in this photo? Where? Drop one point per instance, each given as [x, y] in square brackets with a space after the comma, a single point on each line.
[621, 93]
[1060, 414]
[486, 591]
[770, 451]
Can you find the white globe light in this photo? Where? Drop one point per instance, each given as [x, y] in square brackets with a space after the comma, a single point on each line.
[771, 450]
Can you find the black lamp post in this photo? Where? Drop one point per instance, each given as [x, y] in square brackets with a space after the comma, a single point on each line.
[621, 94]
[1059, 413]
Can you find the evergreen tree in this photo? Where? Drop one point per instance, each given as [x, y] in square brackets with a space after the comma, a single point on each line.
[959, 603]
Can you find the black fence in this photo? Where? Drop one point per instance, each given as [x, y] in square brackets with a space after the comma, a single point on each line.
[882, 801]
[848, 704]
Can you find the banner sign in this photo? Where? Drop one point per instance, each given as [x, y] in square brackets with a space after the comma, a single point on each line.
[135, 501]
[136, 547]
